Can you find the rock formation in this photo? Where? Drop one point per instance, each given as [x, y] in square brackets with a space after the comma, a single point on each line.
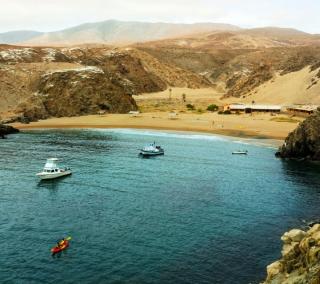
[6, 129]
[300, 262]
[83, 91]
[37, 83]
[304, 142]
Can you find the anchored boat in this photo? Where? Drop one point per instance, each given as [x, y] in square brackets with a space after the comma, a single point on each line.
[51, 170]
[151, 150]
[239, 152]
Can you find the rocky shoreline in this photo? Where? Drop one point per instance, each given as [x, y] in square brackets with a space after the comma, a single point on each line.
[300, 262]
[7, 129]
[304, 142]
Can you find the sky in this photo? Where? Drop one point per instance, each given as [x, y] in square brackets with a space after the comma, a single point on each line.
[52, 15]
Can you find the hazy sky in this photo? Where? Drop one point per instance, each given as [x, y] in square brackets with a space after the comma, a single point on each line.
[50, 15]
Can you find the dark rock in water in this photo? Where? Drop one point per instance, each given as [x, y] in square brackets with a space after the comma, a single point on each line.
[6, 129]
[313, 223]
[304, 142]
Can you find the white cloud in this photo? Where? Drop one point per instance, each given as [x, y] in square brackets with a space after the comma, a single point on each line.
[49, 15]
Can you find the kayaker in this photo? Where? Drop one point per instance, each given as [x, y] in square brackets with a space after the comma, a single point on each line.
[61, 242]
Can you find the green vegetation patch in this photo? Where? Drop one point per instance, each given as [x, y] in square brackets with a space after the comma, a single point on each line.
[212, 108]
[285, 119]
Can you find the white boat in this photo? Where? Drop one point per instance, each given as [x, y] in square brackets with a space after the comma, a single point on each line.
[51, 170]
[239, 152]
[151, 150]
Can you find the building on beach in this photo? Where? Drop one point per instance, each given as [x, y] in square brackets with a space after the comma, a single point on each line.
[302, 110]
[250, 108]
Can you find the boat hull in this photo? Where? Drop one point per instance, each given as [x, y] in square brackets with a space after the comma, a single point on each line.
[47, 176]
[150, 154]
[59, 249]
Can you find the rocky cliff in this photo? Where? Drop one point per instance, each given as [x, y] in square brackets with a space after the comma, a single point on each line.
[300, 262]
[36, 83]
[304, 142]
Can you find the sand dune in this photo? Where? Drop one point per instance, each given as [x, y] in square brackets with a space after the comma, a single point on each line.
[292, 88]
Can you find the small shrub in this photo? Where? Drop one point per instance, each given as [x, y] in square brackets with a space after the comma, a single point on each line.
[199, 110]
[190, 107]
[227, 112]
[220, 112]
[212, 108]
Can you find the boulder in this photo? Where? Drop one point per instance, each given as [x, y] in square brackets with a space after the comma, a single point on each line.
[300, 262]
[315, 228]
[274, 269]
[294, 235]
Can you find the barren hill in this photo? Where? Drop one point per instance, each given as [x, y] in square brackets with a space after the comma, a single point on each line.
[249, 66]
[41, 82]
[112, 32]
[269, 65]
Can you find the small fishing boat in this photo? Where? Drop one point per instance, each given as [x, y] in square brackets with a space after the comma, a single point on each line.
[151, 150]
[51, 170]
[240, 152]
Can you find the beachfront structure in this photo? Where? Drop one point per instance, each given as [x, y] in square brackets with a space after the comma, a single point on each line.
[249, 108]
[302, 110]
[134, 113]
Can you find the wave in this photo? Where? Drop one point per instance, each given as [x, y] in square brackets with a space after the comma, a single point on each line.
[156, 133]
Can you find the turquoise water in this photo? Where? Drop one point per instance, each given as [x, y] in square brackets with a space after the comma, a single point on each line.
[196, 215]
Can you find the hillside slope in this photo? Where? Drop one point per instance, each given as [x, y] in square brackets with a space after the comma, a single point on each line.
[249, 66]
[41, 82]
[300, 87]
[17, 36]
[120, 32]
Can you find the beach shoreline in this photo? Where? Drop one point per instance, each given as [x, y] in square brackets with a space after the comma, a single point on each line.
[225, 132]
[258, 127]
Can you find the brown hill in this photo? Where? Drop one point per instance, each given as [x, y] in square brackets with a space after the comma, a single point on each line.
[242, 62]
[41, 82]
[120, 32]
[265, 65]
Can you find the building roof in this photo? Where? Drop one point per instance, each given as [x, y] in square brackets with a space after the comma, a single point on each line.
[303, 107]
[254, 107]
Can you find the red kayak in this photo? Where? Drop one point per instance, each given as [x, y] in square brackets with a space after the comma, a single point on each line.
[62, 247]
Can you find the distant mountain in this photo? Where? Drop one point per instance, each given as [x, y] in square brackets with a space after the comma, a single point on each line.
[274, 32]
[268, 37]
[18, 36]
[113, 32]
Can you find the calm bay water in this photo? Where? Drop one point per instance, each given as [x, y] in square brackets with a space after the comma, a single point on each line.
[196, 215]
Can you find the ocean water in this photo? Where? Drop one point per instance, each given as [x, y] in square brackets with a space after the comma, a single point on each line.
[195, 215]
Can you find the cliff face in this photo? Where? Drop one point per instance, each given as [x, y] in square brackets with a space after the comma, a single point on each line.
[300, 262]
[85, 90]
[304, 142]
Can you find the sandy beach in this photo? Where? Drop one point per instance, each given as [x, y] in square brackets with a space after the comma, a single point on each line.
[257, 126]
[164, 112]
